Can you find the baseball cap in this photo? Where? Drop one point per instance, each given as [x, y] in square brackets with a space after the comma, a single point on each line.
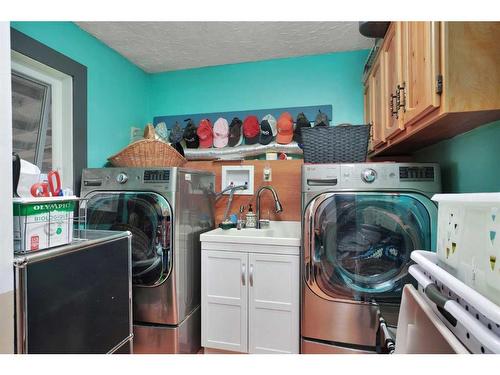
[176, 134]
[251, 130]
[178, 147]
[266, 133]
[235, 134]
[321, 119]
[205, 133]
[162, 131]
[301, 122]
[190, 136]
[285, 128]
[272, 121]
[221, 130]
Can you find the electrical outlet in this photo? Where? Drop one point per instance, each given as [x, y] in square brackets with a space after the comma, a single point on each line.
[267, 174]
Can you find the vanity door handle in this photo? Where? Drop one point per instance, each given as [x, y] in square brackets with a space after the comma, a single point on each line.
[243, 271]
[251, 274]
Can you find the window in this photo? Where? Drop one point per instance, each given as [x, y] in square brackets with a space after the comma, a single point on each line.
[31, 121]
[42, 116]
[65, 145]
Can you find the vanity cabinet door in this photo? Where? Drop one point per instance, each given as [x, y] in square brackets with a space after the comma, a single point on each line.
[224, 300]
[273, 287]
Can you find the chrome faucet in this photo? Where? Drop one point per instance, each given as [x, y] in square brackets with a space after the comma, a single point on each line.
[277, 204]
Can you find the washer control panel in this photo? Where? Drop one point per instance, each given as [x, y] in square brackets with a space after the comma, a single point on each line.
[423, 177]
[160, 179]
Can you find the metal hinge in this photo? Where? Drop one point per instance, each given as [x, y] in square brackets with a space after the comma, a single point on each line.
[402, 97]
[393, 105]
[439, 84]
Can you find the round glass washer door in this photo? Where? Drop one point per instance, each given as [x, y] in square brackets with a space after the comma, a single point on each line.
[148, 217]
[361, 243]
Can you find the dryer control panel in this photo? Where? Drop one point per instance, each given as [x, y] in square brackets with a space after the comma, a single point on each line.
[424, 177]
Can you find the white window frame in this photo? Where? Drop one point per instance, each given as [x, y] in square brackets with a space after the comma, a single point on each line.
[62, 111]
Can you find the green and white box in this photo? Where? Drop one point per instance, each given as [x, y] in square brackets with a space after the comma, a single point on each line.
[40, 223]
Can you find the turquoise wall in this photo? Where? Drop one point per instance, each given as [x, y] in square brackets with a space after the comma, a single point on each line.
[469, 162]
[333, 78]
[116, 88]
[121, 95]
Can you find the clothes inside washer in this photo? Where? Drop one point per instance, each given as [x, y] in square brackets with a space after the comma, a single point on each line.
[368, 248]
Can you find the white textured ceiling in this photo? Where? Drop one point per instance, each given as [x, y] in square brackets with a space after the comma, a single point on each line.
[163, 46]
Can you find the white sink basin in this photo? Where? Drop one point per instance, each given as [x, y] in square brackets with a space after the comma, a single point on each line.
[284, 233]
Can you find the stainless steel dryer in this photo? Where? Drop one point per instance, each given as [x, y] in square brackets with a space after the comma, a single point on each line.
[360, 224]
[166, 210]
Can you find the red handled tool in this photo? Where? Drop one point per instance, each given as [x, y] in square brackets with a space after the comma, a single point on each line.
[54, 189]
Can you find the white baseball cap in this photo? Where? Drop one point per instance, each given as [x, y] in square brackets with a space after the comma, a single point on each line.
[221, 132]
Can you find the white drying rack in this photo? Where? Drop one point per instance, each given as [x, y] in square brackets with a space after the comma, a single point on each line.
[473, 318]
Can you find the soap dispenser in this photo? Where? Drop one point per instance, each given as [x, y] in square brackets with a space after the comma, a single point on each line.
[251, 221]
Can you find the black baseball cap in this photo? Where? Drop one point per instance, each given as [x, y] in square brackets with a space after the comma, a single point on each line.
[178, 147]
[190, 136]
[176, 133]
[300, 122]
[266, 133]
[235, 135]
[321, 119]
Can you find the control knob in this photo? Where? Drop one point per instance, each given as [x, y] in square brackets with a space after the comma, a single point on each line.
[122, 178]
[368, 175]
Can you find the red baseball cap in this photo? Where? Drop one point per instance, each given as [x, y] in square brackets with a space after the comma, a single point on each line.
[205, 133]
[285, 128]
[251, 130]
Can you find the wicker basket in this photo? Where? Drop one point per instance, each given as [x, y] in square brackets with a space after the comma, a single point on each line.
[148, 153]
[336, 144]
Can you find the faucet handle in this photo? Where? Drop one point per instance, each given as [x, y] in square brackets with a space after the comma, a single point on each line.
[264, 223]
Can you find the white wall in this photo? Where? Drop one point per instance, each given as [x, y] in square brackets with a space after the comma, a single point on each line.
[6, 252]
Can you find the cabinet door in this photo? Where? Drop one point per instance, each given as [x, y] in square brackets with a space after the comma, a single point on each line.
[367, 101]
[420, 69]
[391, 51]
[224, 300]
[377, 107]
[273, 303]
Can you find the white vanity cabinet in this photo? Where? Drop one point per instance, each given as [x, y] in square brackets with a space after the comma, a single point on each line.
[250, 297]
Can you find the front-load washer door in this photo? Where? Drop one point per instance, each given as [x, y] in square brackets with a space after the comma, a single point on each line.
[357, 246]
[148, 217]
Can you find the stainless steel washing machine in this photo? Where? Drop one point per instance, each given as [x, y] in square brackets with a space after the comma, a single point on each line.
[166, 210]
[360, 224]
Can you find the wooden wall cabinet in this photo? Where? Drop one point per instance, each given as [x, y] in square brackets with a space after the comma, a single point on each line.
[441, 79]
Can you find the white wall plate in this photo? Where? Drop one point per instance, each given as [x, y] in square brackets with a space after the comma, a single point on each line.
[238, 175]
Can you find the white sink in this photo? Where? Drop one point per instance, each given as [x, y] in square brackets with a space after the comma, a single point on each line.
[284, 233]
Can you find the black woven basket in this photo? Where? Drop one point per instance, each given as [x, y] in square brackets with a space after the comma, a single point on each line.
[336, 144]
